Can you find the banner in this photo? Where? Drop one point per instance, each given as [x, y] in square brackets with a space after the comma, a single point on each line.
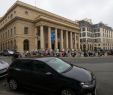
[53, 36]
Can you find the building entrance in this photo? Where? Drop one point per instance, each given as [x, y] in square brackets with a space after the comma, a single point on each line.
[53, 45]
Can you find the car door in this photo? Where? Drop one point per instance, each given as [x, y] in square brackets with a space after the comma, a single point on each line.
[44, 77]
[23, 72]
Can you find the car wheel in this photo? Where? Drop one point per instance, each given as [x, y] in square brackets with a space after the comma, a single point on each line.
[67, 92]
[13, 85]
[94, 92]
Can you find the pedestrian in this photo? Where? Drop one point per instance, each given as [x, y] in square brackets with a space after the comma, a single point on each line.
[15, 56]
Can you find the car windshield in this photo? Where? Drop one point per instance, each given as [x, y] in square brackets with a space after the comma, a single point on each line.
[58, 65]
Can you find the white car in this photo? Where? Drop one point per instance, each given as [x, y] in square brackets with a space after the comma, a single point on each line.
[3, 68]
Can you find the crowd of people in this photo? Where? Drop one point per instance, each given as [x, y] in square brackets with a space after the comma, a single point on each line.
[60, 53]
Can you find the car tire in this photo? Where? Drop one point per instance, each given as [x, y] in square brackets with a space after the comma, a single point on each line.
[67, 92]
[13, 85]
[94, 92]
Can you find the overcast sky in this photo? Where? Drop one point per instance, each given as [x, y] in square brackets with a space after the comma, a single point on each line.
[97, 10]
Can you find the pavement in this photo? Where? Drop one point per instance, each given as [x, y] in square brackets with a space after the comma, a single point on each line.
[102, 67]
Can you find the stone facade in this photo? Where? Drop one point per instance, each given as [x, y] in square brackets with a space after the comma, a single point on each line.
[26, 28]
[95, 36]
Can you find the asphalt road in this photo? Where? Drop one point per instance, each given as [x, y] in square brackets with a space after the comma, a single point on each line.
[101, 66]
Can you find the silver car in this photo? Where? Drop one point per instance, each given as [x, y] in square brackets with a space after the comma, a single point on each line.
[3, 68]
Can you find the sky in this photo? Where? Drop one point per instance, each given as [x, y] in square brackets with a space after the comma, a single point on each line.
[97, 10]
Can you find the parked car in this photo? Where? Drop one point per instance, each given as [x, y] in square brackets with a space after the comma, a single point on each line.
[7, 52]
[3, 68]
[51, 75]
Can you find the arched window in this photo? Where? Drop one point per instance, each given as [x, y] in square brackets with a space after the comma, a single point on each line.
[26, 45]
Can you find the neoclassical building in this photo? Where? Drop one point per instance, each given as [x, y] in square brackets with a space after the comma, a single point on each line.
[26, 28]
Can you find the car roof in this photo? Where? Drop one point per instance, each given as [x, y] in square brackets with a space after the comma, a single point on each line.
[43, 59]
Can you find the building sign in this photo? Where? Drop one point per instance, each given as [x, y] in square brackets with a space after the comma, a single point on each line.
[53, 36]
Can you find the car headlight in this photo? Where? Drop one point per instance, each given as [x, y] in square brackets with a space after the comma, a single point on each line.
[84, 85]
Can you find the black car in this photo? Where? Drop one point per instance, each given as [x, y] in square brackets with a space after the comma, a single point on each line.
[51, 75]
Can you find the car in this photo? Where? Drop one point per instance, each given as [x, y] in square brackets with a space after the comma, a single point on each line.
[8, 52]
[3, 68]
[51, 74]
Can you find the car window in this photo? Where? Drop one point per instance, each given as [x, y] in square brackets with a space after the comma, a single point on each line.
[58, 65]
[23, 64]
[39, 66]
[26, 65]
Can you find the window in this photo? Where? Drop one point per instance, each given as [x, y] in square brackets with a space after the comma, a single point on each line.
[58, 65]
[83, 34]
[14, 30]
[25, 30]
[26, 45]
[39, 66]
[14, 11]
[80, 34]
[26, 12]
[22, 64]
[11, 16]
[8, 33]
[98, 30]
[11, 32]
[83, 29]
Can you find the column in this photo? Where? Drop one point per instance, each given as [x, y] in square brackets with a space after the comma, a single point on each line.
[41, 37]
[61, 38]
[71, 40]
[79, 42]
[56, 39]
[49, 37]
[36, 38]
[66, 39]
[75, 42]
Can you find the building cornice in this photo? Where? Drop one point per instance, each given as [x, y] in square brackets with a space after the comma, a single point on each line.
[19, 3]
[44, 12]
[9, 10]
[44, 18]
[14, 19]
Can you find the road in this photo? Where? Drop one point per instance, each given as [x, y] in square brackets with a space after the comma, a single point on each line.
[101, 66]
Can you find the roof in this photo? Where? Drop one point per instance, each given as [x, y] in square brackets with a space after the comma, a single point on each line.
[38, 10]
[43, 59]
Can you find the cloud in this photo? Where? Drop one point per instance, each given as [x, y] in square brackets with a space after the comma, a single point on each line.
[97, 10]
